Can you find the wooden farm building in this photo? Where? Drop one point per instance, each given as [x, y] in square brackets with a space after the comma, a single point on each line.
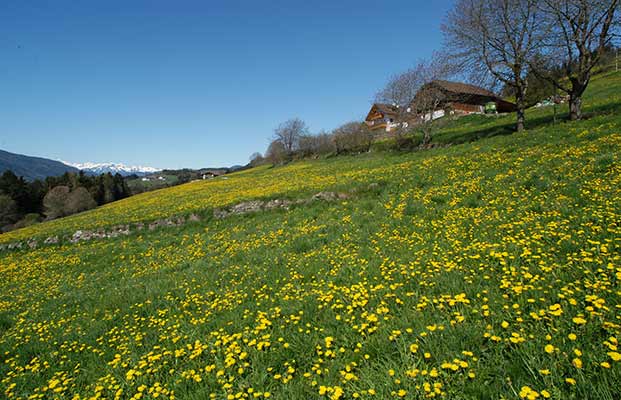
[452, 98]
[461, 98]
[382, 116]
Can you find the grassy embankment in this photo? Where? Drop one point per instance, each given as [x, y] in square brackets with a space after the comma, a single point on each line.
[484, 270]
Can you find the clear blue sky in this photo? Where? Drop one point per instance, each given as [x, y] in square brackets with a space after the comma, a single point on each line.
[194, 83]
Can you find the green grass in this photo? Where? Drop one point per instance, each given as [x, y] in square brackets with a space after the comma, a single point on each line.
[138, 185]
[602, 97]
[466, 252]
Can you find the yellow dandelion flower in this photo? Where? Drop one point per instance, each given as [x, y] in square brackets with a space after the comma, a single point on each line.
[579, 320]
[614, 355]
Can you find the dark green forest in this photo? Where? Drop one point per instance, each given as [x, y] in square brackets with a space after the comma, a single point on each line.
[24, 202]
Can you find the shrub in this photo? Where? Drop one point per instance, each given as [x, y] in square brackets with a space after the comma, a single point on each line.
[29, 219]
[54, 202]
[79, 200]
[353, 137]
[8, 210]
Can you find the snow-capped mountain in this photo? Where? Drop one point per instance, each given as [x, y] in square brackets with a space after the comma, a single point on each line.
[113, 168]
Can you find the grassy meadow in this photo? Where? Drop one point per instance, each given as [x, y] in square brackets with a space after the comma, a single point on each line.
[488, 269]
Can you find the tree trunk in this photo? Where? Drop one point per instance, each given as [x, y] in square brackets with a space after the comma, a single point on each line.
[520, 118]
[426, 136]
[575, 107]
[520, 110]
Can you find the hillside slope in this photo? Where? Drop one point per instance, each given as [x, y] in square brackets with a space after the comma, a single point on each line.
[484, 270]
[32, 168]
[306, 177]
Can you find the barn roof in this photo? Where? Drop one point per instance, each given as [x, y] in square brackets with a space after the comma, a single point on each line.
[464, 88]
[386, 109]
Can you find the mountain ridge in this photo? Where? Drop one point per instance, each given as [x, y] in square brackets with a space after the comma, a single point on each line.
[94, 168]
[31, 167]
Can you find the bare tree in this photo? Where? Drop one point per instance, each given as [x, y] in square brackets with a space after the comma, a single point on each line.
[580, 32]
[426, 106]
[79, 200]
[313, 145]
[429, 98]
[400, 89]
[404, 89]
[352, 136]
[289, 133]
[276, 152]
[54, 202]
[306, 146]
[323, 143]
[256, 159]
[495, 39]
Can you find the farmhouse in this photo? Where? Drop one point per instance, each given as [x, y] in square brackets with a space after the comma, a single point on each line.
[456, 98]
[449, 98]
[211, 173]
[382, 116]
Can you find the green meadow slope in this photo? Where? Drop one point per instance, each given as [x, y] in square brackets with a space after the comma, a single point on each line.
[488, 269]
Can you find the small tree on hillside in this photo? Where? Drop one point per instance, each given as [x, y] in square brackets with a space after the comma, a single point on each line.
[429, 98]
[404, 90]
[579, 34]
[54, 202]
[79, 200]
[400, 89]
[314, 145]
[290, 132]
[352, 137]
[426, 104]
[495, 38]
[323, 143]
[256, 159]
[306, 146]
[276, 153]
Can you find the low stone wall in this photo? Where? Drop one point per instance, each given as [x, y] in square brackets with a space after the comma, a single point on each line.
[218, 213]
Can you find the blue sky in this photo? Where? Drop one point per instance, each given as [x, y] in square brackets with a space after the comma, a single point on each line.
[195, 83]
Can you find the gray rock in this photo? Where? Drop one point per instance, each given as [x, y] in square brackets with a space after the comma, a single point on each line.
[51, 240]
[330, 196]
[219, 214]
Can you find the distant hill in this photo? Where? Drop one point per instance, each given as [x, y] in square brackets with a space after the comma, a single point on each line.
[32, 168]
